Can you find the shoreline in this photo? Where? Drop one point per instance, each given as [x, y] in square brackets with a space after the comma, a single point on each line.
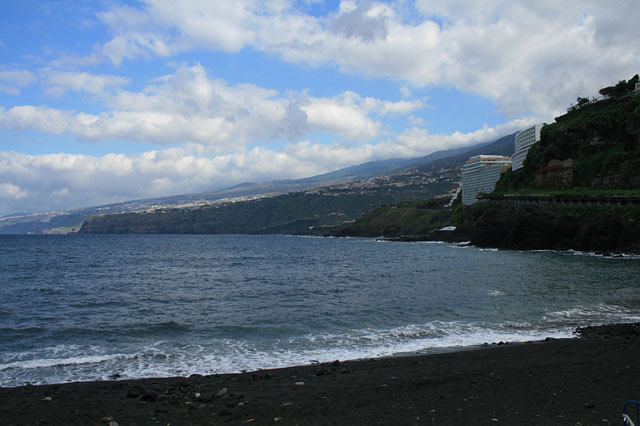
[583, 380]
[610, 254]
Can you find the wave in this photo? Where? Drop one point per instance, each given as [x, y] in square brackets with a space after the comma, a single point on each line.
[590, 315]
[61, 362]
[571, 252]
[168, 358]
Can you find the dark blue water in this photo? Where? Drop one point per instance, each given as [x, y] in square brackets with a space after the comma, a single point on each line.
[85, 307]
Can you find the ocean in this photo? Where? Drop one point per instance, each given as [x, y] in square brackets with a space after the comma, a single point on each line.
[93, 307]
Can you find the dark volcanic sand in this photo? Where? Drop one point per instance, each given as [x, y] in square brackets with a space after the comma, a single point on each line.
[582, 381]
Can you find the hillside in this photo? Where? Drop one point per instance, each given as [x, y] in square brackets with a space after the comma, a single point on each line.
[595, 145]
[401, 169]
[311, 212]
[409, 218]
[582, 159]
[315, 211]
[502, 146]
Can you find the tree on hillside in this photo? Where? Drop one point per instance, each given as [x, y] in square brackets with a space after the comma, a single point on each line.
[620, 89]
[582, 101]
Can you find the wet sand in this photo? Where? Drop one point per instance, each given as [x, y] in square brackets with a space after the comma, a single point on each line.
[580, 381]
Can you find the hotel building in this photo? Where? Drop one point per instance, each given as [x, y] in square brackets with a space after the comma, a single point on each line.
[524, 139]
[480, 174]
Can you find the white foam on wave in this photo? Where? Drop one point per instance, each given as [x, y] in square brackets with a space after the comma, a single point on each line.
[571, 252]
[61, 362]
[165, 358]
[240, 356]
[589, 315]
[616, 256]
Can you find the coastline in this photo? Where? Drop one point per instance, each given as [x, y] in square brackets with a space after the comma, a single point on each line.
[583, 380]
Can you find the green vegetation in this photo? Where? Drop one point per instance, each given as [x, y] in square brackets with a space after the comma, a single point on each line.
[406, 218]
[295, 213]
[523, 178]
[622, 88]
[593, 150]
[571, 192]
[600, 138]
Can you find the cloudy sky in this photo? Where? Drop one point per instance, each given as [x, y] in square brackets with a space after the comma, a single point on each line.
[104, 101]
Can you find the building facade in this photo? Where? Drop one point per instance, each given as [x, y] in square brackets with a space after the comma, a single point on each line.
[480, 174]
[524, 139]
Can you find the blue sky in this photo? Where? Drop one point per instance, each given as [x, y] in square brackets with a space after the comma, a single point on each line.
[103, 101]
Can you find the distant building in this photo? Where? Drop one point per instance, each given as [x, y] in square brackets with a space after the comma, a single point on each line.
[524, 139]
[480, 174]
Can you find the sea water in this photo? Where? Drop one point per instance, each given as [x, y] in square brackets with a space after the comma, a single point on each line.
[90, 307]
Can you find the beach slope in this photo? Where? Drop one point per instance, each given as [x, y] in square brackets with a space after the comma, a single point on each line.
[581, 381]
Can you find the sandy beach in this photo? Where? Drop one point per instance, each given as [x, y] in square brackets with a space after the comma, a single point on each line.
[580, 381]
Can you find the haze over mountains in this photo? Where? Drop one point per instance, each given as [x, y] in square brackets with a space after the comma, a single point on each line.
[71, 220]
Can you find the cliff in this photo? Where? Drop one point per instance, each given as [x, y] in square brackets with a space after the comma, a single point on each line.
[592, 150]
[549, 226]
[596, 145]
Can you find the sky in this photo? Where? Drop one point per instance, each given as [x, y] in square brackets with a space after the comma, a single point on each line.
[104, 101]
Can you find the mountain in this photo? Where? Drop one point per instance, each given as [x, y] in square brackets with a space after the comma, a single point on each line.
[315, 212]
[355, 173]
[503, 146]
[71, 220]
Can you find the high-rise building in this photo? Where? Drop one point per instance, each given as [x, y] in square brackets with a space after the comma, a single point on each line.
[480, 174]
[524, 139]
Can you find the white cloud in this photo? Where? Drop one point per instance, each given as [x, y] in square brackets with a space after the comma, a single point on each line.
[9, 190]
[58, 82]
[526, 56]
[223, 25]
[341, 116]
[348, 115]
[12, 82]
[416, 121]
[188, 107]
[41, 118]
[57, 181]
[367, 21]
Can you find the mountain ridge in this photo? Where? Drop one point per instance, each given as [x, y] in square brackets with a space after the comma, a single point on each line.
[71, 220]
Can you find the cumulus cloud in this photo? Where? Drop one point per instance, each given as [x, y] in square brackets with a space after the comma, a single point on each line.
[12, 82]
[223, 25]
[61, 181]
[11, 191]
[189, 107]
[349, 114]
[367, 21]
[57, 83]
[526, 56]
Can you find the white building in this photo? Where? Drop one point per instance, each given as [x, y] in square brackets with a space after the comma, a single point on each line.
[524, 139]
[480, 174]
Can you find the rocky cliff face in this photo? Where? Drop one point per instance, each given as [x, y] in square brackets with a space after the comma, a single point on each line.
[547, 226]
[596, 146]
[555, 175]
